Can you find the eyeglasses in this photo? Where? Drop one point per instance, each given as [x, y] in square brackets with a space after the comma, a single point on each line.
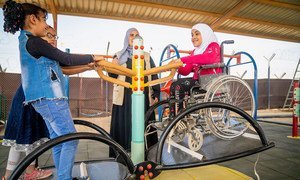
[133, 35]
[51, 36]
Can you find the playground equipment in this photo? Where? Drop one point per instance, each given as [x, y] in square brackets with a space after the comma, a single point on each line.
[163, 157]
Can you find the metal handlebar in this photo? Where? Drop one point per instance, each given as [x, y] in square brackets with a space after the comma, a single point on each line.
[228, 42]
[120, 70]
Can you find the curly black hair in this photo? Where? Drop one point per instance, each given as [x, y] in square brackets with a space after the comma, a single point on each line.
[15, 13]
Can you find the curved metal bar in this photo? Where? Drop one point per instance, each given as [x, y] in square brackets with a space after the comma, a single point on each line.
[109, 65]
[167, 67]
[93, 126]
[242, 113]
[255, 83]
[161, 80]
[217, 160]
[160, 64]
[112, 80]
[168, 48]
[69, 137]
[152, 108]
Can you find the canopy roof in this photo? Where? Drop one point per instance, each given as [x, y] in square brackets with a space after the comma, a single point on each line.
[272, 19]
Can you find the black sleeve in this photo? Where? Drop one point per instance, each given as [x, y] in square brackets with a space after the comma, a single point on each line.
[113, 75]
[156, 88]
[38, 47]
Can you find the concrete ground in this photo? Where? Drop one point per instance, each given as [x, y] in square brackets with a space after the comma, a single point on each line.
[280, 162]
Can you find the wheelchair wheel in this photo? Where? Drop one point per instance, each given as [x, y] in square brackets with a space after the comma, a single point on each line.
[234, 91]
[195, 140]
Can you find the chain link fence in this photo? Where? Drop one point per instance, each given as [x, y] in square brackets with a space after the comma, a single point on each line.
[88, 97]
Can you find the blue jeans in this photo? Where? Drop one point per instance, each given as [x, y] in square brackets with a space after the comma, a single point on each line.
[57, 116]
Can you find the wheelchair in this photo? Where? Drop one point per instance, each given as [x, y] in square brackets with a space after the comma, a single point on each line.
[186, 92]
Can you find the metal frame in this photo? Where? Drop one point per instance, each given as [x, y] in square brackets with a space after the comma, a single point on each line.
[265, 144]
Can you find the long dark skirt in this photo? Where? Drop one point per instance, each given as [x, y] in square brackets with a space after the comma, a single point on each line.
[25, 128]
[120, 129]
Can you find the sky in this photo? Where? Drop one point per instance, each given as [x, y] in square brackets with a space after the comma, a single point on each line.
[91, 36]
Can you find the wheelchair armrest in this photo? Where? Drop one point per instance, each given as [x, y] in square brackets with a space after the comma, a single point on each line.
[212, 66]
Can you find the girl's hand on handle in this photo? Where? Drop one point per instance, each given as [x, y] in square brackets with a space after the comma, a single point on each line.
[92, 65]
[115, 60]
[98, 58]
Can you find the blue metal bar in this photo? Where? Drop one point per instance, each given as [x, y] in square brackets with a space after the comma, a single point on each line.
[166, 49]
[169, 58]
[255, 82]
[239, 64]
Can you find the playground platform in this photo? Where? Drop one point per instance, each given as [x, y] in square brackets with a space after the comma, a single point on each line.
[280, 162]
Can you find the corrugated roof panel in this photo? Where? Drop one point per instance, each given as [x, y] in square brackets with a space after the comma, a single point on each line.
[152, 13]
[199, 19]
[215, 6]
[296, 2]
[79, 4]
[277, 19]
[67, 4]
[185, 17]
[195, 19]
[73, 6]
[91, 7]
[181, 16]
[132, 10]
[177, 16]
[142, 10]
[270, 14]
[190, 17]
[172, 15]
[258, 30]
[157, 13]
[101, 6]
[126, 9]
[115, 7]
[147, 12]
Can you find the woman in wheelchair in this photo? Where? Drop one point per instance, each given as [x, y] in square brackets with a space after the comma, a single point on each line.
[207, 51]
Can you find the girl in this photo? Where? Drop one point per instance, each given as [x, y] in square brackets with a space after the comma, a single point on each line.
[120, 128]
[207, 51]
[42, 80]
[25, 130]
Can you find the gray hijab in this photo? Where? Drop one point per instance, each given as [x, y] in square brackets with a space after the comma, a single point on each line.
[126, 52]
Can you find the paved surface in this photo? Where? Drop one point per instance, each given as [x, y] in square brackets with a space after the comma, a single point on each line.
[281, 162]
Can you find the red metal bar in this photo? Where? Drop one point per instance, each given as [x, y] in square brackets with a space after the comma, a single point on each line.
[295, 127]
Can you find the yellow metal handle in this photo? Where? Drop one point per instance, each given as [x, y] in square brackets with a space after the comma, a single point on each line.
[173, 66]
[161, 80]
[114, 68]
[167, 67]
[110, 79]
[120, 70]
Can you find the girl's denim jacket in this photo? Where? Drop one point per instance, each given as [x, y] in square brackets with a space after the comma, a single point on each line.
[41, 78]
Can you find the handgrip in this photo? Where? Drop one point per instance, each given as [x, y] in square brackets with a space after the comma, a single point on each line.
[112, 80]
[110, 66]
[161, 80]
[156, 70]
